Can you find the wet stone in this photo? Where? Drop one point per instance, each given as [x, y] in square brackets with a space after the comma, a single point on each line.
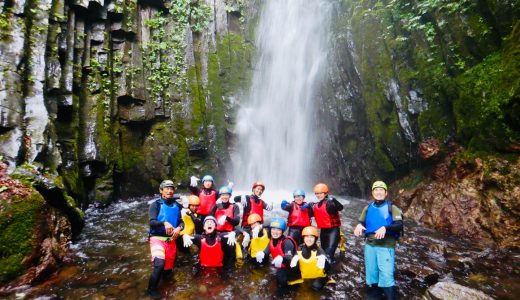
[449, 290]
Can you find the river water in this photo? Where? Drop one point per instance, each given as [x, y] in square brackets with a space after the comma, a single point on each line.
[110, 260]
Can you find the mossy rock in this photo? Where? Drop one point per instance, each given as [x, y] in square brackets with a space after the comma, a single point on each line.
[18, 220]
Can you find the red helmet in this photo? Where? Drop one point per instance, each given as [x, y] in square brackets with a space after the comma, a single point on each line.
[258, 183]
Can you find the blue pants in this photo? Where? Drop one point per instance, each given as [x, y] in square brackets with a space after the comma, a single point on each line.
[379, 265]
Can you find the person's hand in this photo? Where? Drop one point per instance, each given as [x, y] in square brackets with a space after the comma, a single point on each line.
[269, 207]
[294, 261]
[320, 263]
[243, 200]
[255, 231]
[246, 240]
[187, 240]
[277, 261]
[176, 232]
[231, 238]
[168, 228]
[193, 181]
[260, 256]
[221, 220]
[358, 231]
[380, 233]
[284, 204]
[218, 201]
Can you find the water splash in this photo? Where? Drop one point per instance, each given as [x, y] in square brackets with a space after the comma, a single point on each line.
[276, 136]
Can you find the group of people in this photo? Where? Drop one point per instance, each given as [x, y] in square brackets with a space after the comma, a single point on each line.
[212, 222]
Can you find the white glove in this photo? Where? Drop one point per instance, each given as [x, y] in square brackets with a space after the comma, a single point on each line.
[231, 238]
[230, 184]
[255, 231]
[243, 200]
[277, 261]
[269, 207]
[184, 201]
[321, 261]
[187, 240]
[246, 240]
[294, 261]
[218, 201]
[221, 220]
[260, 256]
[193, 181]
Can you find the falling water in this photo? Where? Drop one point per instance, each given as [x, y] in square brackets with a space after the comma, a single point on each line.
[276, 138]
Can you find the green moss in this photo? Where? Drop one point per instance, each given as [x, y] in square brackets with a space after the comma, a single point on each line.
[18, 221]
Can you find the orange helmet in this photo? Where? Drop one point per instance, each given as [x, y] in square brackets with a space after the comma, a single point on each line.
[258, 183]
[253, 218]
[193, 200]
[321, 188]
[310, 230]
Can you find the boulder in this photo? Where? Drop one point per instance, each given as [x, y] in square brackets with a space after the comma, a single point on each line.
[450, 290]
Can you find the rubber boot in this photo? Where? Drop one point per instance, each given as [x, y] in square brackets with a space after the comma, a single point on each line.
[167, 274]
[155, 277]
[390, 292]
[373, 292]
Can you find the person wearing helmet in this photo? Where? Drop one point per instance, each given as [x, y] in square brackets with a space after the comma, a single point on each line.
[228, 216]
[207, 194]
[253, 203]
[300, 214]
[381, 222]
[211, 243]
[259, 239]
[282, 250]
[326, 213]
[192, 221]
[311, 259]
[165, 226]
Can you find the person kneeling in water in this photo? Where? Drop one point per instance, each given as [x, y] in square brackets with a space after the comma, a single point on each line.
[259, 237]
[282, 250]
[311, 259]
[211, 243]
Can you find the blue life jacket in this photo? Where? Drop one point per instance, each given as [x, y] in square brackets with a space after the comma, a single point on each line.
[378, 216]
[170, 214]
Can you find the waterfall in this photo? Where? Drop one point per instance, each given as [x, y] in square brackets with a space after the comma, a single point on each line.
[276, 133]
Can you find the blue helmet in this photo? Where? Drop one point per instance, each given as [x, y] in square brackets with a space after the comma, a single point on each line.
[207, 178]
[279, 223]
[225, 190]
[298, 192]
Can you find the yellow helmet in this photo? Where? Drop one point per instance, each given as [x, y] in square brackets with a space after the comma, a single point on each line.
[193, 200]
[379, 184]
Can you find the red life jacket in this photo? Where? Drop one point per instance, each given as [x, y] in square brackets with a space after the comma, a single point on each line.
[278, 250]
[323, 218]
[255, 209]
[224, 212]
[211, 256]
[298, 216]
[207, 201]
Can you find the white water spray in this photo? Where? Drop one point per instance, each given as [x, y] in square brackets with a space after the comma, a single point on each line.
[276, 138]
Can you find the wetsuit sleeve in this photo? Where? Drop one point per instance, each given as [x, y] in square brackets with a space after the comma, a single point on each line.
[197, 238]
[266, 206]
[180, 221]
[288, 250]
[310, 209]
[397, 220]
[236, 216]
[195, 190]
[197, 221]
[363, 216]
[213, 210]
[333, 206]
[153, 212]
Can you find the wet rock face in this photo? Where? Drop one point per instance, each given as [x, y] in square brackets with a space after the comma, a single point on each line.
[88, 86]
[449, 290]
[471, 197]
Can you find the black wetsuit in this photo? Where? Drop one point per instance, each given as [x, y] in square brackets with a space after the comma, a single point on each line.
[329, 237]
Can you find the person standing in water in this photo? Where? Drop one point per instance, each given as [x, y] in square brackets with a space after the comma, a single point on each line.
[253, 204]
[300, 214]
[207, 195]
[165, 226]
[381, 222]
[326, 213]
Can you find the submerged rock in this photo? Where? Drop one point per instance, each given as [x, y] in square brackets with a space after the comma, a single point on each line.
[449, 290]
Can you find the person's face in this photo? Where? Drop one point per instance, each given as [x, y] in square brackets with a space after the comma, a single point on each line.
[276, 233]
[207, 184]
[299, 200]
[258, 191]
[193, 208]
[225, 198]
[309, 240]
[379, 194]
[167, 192]
[320, 196]
[209, 226]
